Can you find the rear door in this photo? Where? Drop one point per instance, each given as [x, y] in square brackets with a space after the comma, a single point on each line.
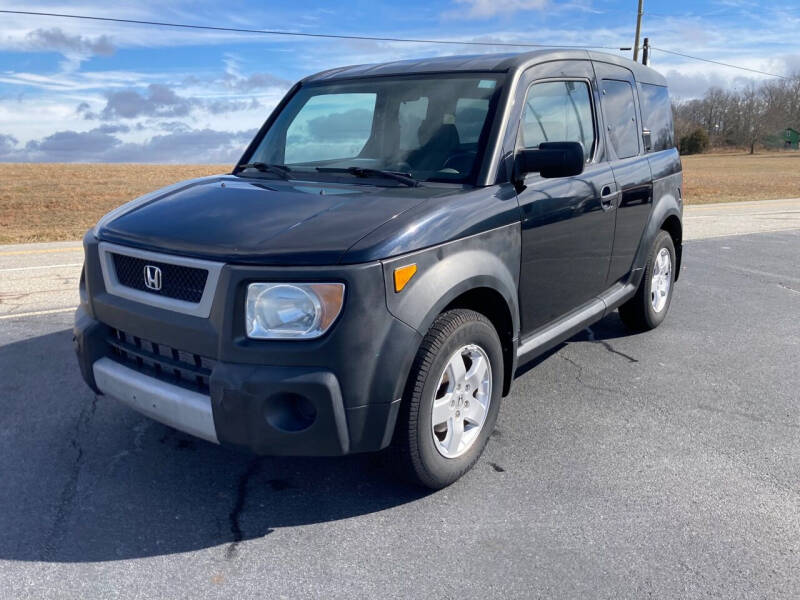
[567, 223]
[632, 173]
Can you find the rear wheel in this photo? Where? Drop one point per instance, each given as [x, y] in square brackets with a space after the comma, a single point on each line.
[648, 308]
[452, 399]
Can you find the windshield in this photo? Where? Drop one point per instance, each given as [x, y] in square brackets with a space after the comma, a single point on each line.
[432, 128]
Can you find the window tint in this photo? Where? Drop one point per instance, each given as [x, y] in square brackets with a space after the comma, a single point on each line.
[470, 117]
[410, 116]
[620, 111]
[559, 111]
[657, 115]
[330, 126]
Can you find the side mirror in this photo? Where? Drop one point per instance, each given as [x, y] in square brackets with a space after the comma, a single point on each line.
[551, 159]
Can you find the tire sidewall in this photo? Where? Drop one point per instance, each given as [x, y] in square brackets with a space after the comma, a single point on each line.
[655, 318]
[439, 468]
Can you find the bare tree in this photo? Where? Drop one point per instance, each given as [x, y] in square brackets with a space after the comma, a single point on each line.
[755, 115]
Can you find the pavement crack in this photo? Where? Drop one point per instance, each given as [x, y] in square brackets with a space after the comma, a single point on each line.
[238, 507]
[579, 377]
[609, 347]
[786, 287]
[70, 489]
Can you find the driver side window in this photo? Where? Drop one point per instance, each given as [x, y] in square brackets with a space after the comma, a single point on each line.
[558, 111]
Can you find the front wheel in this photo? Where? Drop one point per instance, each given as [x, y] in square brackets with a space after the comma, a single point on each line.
[648, 308]
[452, 399]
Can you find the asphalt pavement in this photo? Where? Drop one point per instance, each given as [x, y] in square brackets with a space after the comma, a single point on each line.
[664, 464]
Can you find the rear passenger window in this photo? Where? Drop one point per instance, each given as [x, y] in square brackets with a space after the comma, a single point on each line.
[620, 111]
[657, 115]
[558, 111]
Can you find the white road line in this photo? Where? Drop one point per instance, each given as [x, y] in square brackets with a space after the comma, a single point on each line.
[42, 251]
[36, 313]
[40, 267]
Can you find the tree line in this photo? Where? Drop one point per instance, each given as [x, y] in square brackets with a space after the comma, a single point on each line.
[755, 116]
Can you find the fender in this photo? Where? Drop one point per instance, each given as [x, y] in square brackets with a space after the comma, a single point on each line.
[667, 203]
[486, 260]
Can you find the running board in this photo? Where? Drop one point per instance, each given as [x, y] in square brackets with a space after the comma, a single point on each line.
[567, 326]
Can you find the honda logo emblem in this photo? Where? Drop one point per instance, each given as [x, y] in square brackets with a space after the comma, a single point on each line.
[152, 277]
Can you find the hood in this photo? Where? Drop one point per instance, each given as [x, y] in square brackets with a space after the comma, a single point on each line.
[263, 221]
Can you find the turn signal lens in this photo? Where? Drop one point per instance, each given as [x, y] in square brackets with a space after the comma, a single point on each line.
[402, 275]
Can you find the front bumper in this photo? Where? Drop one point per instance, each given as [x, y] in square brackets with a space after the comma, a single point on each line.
[336, 395]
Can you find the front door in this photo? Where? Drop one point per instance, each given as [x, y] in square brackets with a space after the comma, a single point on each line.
[567, 223]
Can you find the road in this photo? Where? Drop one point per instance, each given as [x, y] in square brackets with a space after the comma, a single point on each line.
[664, 464]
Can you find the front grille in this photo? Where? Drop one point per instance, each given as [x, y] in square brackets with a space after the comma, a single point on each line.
[177, 281]
[161, 361]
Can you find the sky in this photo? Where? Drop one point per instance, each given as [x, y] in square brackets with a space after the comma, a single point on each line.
[90, 91]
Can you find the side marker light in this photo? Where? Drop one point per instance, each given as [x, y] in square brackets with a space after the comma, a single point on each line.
[402, 275]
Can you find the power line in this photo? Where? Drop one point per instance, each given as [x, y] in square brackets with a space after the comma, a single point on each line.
[296, 34]
[277, 32]
[717, 62]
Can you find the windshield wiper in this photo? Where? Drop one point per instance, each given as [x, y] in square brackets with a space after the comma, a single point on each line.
[404, 178]
[279, 170]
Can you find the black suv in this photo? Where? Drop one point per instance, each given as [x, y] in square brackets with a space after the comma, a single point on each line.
[393, 244]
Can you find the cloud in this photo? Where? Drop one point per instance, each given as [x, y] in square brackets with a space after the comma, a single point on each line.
[217, 107]
[75, 48]
[158, 101]
[195, 146]
[99, 145]
[171, 126]
[354, 123]
[108, 128]
[63, 146]
[481, 9]
[8, 144]
[254, 81]
[55, 39]
[234, 79]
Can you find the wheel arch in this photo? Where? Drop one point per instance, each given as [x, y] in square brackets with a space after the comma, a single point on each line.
[480, 272]
[491, 304]
[666, 215]
[672, 225]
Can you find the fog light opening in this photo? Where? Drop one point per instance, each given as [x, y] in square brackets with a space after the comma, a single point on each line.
[290, 412]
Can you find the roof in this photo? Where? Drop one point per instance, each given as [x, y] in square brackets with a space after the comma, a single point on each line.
[484, 63]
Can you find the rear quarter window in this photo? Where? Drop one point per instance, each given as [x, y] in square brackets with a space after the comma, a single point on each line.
[657, 115]
[620, 111]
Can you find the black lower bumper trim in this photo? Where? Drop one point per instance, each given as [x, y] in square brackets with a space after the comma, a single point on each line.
[245, 399]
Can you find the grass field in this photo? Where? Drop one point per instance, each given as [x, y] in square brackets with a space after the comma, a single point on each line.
[47, 202]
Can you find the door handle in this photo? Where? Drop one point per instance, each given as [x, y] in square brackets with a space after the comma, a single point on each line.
[607, 195]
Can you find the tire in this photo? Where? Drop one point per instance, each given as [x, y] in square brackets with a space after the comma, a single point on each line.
[644, 311]
[420, 450]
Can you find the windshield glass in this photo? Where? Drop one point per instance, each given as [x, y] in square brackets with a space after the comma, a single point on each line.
[433, 128]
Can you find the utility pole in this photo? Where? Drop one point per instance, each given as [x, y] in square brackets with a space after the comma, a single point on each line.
[638, 30]
[646, 51]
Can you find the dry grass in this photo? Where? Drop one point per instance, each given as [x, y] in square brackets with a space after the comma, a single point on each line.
[738, 177]
[47, 202]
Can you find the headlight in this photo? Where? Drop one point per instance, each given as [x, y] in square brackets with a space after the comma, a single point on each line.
[292, 310]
